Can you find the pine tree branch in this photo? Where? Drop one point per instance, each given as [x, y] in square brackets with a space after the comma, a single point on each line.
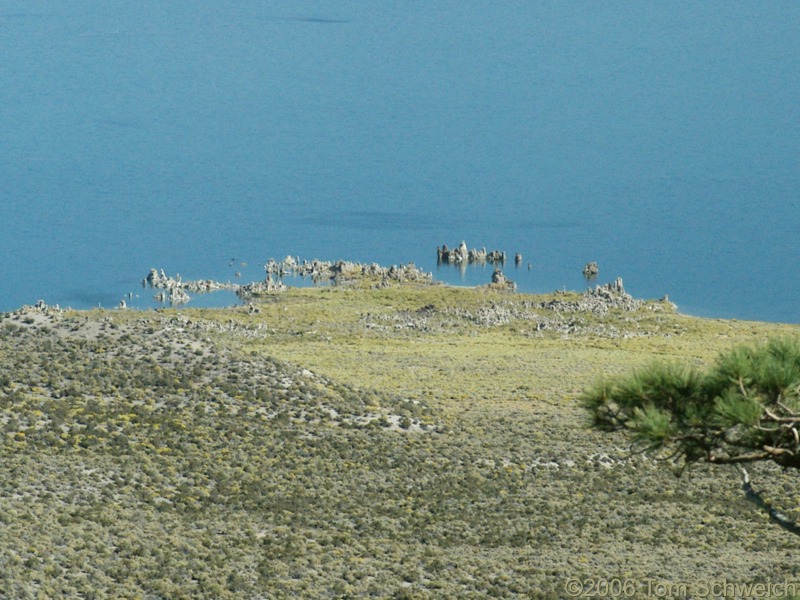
[788, 410]
[773, 451]
[774, 515]
[778, 419]
[742, 458]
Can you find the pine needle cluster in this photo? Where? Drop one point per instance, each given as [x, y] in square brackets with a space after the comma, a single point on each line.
[744, 408]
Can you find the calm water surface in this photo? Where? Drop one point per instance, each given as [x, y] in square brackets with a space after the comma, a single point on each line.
[660, 140]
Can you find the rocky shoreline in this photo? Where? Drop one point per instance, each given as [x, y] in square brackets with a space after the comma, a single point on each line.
[172, 290]
[564, 313]
[175, 291]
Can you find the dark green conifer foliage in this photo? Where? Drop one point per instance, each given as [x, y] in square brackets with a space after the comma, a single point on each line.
[745, 408]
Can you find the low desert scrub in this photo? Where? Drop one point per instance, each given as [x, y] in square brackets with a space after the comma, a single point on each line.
[412, 441]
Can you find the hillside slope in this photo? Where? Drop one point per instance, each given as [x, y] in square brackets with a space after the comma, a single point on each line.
[414, 441]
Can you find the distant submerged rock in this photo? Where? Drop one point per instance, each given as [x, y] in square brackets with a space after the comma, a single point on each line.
[463, 256]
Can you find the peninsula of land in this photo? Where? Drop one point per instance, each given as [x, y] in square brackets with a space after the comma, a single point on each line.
[392, 437]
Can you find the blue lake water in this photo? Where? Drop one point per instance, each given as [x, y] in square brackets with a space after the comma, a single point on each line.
[661, 140]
